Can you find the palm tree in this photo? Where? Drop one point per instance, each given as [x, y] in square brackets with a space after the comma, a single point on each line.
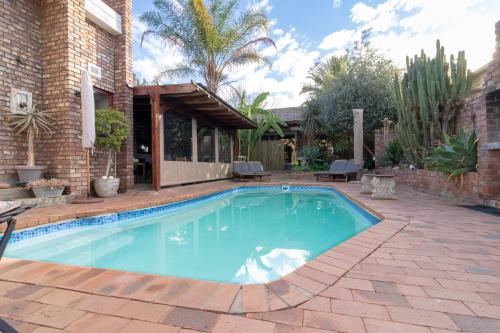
[212, 37]
[320, 75]
[265, 120]
[324, 72]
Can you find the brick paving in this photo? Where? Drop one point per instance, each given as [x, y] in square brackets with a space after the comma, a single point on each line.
[430, 266]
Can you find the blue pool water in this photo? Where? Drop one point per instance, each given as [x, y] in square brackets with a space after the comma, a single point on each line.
[246, 235]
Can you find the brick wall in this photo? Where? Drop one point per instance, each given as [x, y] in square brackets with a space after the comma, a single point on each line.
[21, 68]
[57, 42]
[381, 143]
[437, 182]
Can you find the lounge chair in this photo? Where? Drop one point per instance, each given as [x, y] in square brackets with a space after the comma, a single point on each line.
[257, 170]
[8, 211]
[249, 170]
[343, 168]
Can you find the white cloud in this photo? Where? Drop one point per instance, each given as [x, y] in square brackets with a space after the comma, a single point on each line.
[285, 77]
[336, 3]
[339, 40]
[404, 27]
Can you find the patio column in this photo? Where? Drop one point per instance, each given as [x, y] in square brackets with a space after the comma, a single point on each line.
[236, 144]
[358, 136]
[155, 139]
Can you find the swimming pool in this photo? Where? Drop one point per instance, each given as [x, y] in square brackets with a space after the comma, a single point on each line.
[245, 235]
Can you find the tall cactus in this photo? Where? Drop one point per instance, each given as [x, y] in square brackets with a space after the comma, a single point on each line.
[427, 100]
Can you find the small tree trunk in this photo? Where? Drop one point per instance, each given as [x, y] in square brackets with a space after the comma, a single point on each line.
[108, 166]
[31, 151]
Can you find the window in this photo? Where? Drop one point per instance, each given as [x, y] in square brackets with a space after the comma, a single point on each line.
[206, 143]
[224, 147]
[177, 137]
[102, 99]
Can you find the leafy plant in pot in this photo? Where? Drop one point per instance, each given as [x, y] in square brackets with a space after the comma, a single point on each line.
[33, 123]
[111, 129]
[47, 188]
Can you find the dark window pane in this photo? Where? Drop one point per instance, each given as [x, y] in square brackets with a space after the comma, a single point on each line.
[224, 147]
[206, 143]
[177, 136]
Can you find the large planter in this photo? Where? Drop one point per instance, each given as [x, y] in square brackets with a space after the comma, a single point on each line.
[47, 192]
[106, 188]
[27, 174]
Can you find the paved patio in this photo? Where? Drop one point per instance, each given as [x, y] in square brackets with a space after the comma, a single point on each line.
[430, 266]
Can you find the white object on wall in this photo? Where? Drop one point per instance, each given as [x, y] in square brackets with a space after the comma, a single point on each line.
[94, 70]
[104, 16]
[20, 100]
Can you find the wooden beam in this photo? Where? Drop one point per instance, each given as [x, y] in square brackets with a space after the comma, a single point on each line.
[165, 89]
[155, 140]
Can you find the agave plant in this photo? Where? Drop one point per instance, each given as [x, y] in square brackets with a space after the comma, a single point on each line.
[456, 156]
[33, 123]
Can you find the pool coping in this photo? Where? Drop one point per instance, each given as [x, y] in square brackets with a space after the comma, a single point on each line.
[291, 290]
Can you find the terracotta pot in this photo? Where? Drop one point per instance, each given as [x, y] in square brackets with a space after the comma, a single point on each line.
[106, 188]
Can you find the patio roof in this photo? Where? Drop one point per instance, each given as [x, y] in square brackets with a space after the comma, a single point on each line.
[196, 99]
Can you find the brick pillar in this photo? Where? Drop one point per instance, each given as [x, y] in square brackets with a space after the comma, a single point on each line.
[62, 152]
[123, 97]
[488, 115]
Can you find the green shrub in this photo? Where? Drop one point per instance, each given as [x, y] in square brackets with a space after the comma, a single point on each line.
[311, 154]
[111, 130]
[392, 154]
[456, 156]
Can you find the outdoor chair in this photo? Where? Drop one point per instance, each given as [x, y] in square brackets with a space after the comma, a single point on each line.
[8, 211]
[343, 168]
[249, 170]
[257, 169]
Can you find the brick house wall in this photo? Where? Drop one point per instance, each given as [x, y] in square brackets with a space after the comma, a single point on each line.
[21, 68]
[67, 42]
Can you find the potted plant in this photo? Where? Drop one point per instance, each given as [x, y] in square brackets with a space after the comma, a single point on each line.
[33, 123]
[111, 129]
[46, 188]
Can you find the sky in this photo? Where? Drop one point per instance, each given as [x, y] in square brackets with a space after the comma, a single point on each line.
[308, 31]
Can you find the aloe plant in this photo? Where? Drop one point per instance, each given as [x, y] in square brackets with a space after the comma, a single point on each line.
[456, 156]
[33, 123]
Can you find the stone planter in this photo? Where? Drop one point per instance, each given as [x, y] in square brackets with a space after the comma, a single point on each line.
[27, 174]
[106, 188]
[366, 183]
[47, 192]
[383, 187]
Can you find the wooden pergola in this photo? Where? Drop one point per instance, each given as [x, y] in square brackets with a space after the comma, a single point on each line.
[192, 99]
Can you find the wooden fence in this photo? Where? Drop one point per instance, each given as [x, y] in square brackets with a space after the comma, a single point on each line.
[271, 153]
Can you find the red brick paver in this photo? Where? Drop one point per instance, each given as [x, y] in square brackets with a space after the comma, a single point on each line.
[430, 266]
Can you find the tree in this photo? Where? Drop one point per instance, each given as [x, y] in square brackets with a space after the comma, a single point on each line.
[212, 37]
[319, 75]
[265, 121]
[364, 82]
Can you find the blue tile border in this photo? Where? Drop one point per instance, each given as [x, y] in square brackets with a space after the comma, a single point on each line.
[172, 207]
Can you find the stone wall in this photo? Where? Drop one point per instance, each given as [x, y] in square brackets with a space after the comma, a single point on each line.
[57, 42]
[21, 68]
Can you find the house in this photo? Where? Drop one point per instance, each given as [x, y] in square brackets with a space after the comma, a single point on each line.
[179, 133]
[44, 46]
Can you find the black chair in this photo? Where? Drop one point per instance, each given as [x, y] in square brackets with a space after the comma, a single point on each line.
[9, 218]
